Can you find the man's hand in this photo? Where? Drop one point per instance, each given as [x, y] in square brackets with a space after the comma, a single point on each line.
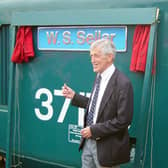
[86, 132]
[68, 92]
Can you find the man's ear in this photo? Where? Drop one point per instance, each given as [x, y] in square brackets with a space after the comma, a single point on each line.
[110, 57]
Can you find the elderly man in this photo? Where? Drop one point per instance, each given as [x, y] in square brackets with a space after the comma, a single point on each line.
[109, 110]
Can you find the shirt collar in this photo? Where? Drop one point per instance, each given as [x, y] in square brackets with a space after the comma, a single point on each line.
[109, 71]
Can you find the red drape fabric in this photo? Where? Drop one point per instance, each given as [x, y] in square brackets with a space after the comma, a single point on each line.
[140, 49]
[23, 50]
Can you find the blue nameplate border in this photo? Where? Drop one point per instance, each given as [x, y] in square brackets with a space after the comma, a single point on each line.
[79, 38]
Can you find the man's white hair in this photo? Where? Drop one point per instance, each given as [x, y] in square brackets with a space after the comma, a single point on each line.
[105, 45]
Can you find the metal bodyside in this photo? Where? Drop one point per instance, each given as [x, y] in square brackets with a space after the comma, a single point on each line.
[156, 138]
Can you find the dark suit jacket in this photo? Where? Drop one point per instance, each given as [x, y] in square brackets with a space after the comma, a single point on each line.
[114, 117]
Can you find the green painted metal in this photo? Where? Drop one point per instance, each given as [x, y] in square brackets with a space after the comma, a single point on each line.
[155, 158]
[86, 17]
[10, 6]
[3, 130]
[3, 108]
[10, 104]
[28, 103]
[146, 92]
[47, 138]
[4, 59]
[1, 62]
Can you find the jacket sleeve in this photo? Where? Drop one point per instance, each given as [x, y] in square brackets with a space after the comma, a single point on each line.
[123, 117]
[80, 101]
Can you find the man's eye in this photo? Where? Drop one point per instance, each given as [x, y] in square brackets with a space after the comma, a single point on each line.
[97, 56]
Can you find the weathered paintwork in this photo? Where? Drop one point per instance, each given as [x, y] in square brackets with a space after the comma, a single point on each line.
[49, 140]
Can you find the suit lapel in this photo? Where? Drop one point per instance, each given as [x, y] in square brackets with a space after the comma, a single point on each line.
[108, 92]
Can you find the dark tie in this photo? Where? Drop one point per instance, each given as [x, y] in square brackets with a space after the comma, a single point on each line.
[94, 101]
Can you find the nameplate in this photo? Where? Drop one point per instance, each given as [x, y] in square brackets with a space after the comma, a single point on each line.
[79, 38]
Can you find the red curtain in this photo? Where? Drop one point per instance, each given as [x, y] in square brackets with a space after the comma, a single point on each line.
[23, 50]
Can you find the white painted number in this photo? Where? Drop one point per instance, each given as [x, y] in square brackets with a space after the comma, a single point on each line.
[48, 106]
[64, 107]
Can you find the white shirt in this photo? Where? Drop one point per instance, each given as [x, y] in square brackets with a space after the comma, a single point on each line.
[106, 75]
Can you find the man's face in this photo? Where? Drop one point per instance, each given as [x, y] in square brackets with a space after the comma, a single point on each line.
[99, 61]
